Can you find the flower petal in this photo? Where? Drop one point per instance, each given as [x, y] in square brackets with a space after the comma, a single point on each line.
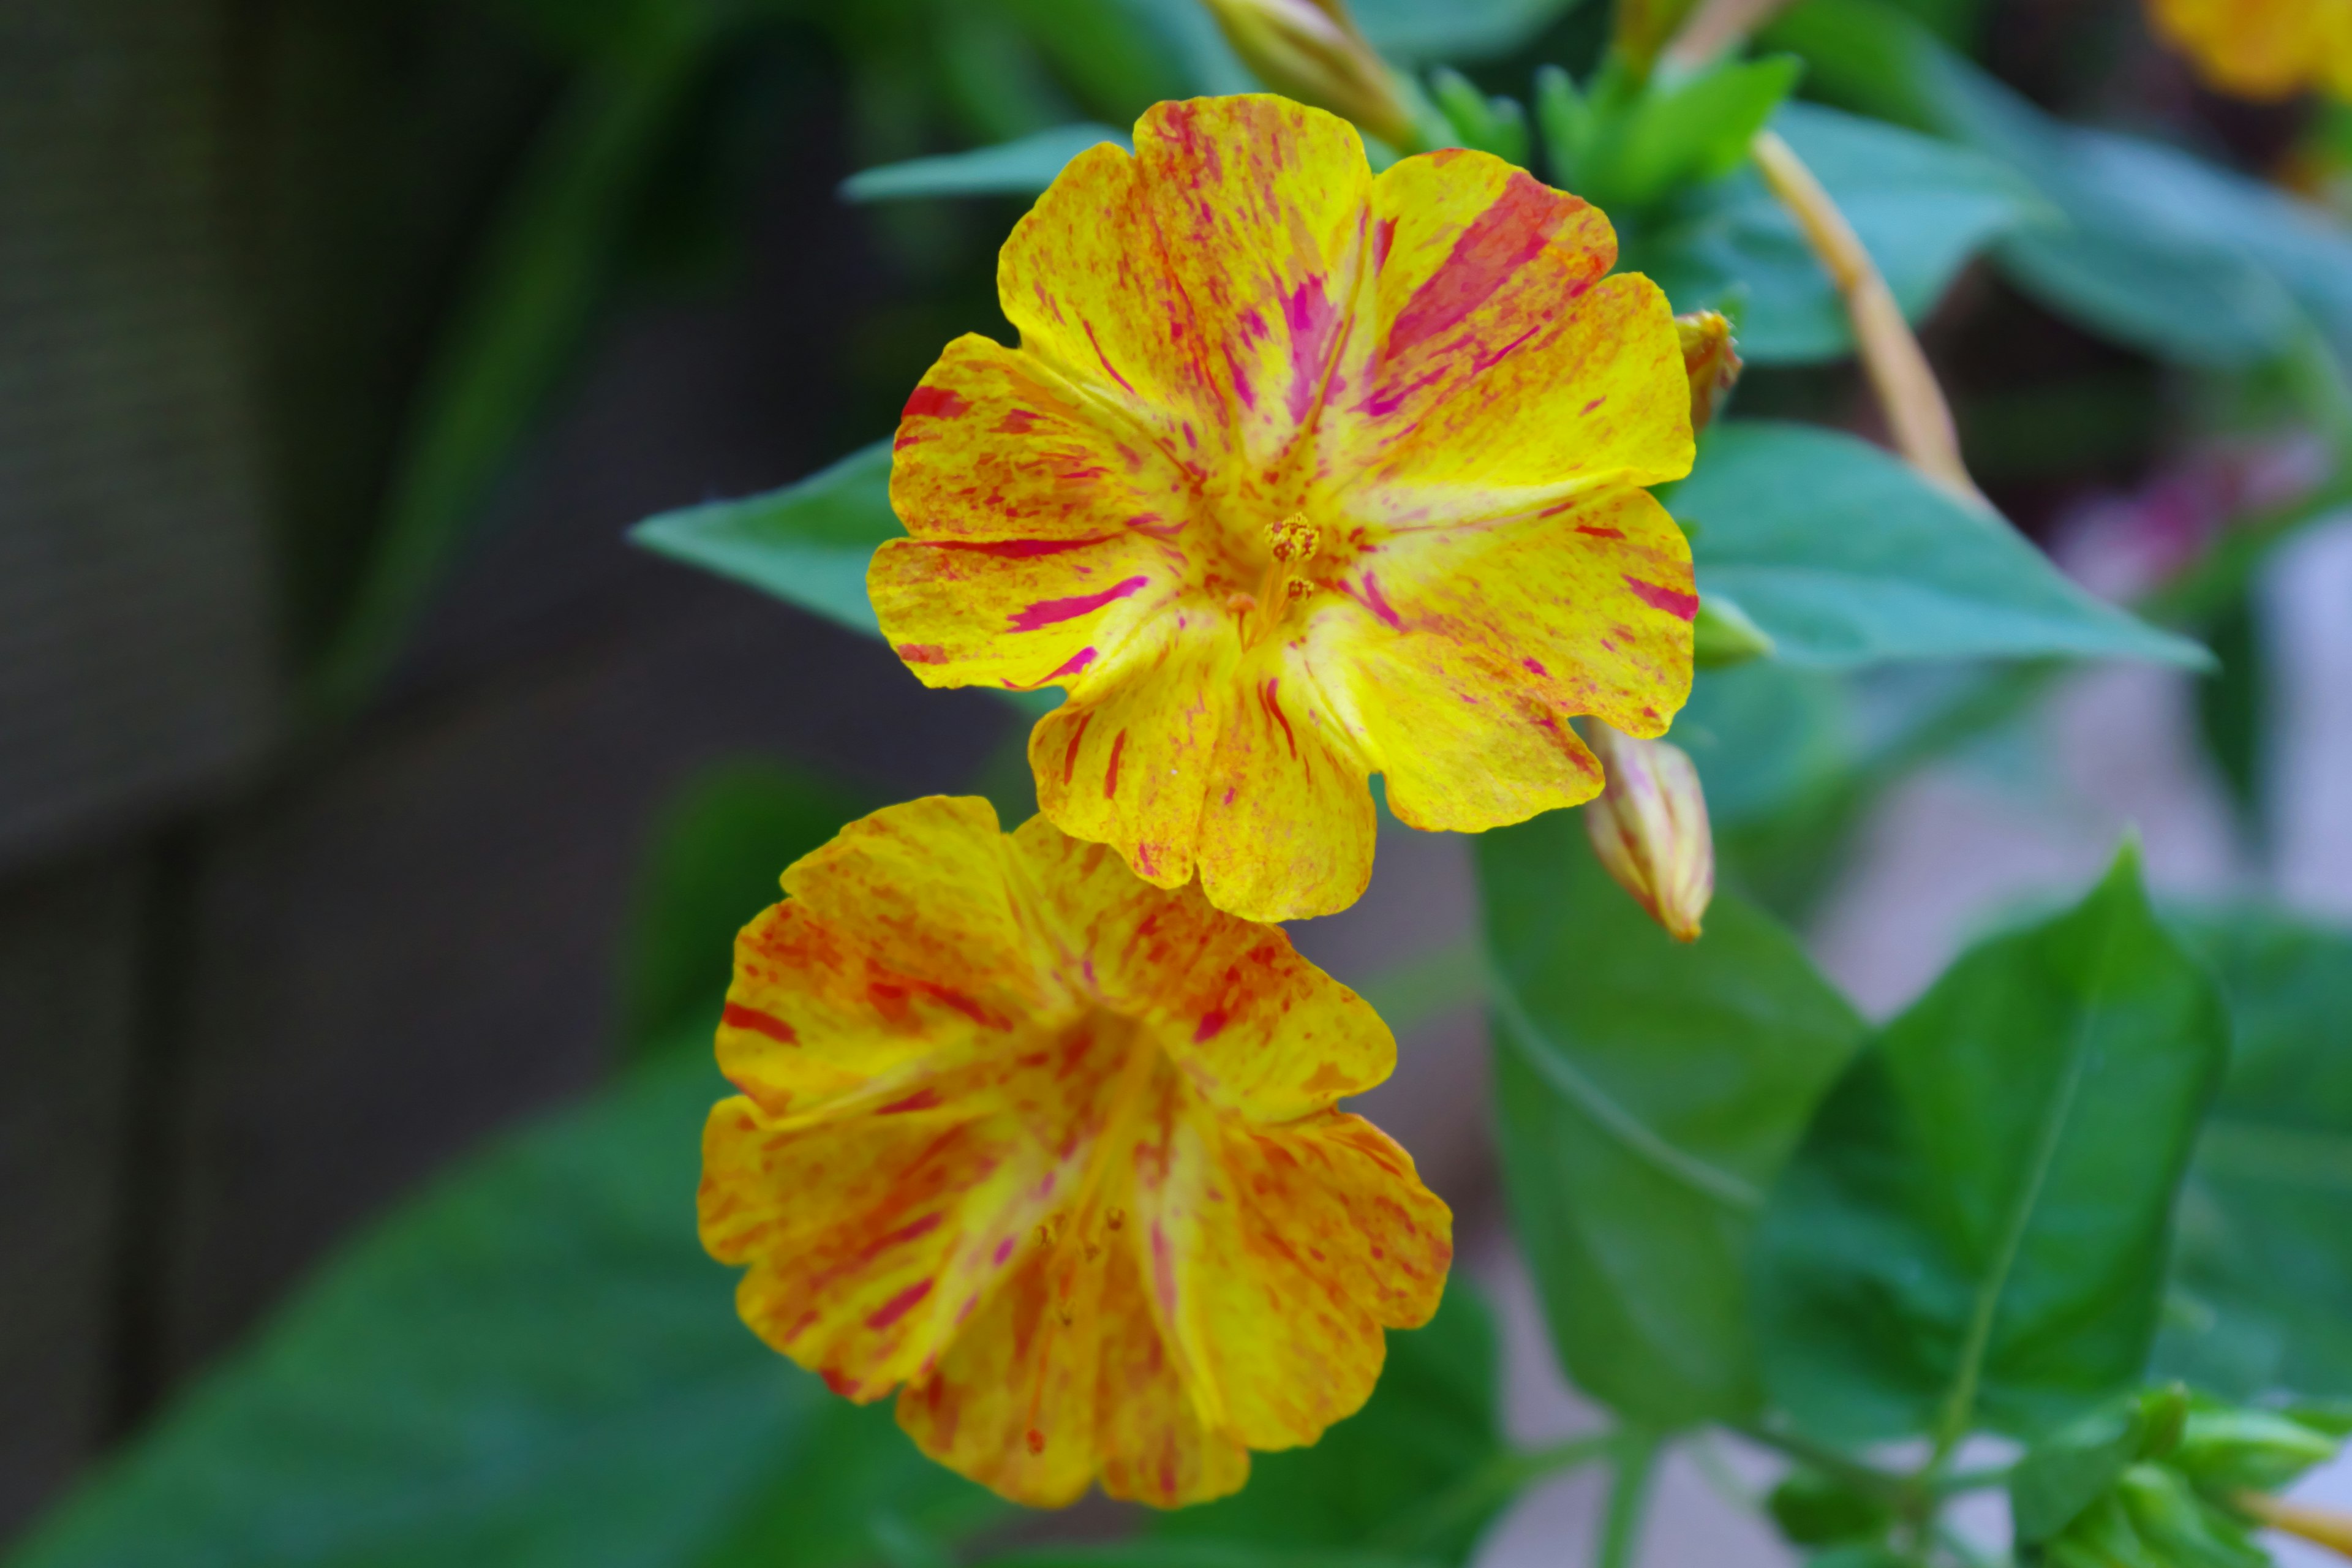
[1467, 650]
[1127, 763]
[1499, 372]
[1257, 1030]
[1277, 1255]
[1261, 208]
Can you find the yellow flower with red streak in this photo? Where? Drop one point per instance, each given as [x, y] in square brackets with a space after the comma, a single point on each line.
[1298, 476]
[1056, 1149]
[2264, 48]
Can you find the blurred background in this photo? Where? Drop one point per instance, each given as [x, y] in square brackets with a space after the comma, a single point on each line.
[344, 739]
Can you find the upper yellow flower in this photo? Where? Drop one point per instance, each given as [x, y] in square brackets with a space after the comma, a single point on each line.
[1298, 476]
[1057, 1150]
[2264, 48]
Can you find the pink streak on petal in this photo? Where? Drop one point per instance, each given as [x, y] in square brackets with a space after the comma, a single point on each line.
[1052, 612]
[1680, 604]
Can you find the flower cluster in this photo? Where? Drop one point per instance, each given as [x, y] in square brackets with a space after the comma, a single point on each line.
[1298, 475]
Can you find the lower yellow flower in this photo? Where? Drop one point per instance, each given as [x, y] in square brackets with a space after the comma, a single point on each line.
[1056, 1149]
[2263, 49]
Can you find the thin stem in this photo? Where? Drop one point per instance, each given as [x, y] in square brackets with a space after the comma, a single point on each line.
[1483, 1489]
[1917, 414]
[1629, 1500]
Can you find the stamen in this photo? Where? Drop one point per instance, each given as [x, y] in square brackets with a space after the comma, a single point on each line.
[1293, 539]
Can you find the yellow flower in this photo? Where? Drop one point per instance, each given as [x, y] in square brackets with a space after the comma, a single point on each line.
[1056, 1149]
[2263, 49]
[1299, 476]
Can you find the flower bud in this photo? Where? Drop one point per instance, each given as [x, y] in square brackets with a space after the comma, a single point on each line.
[1311, 50]
[1722, 635]
[1648, 825]
[1711, 359]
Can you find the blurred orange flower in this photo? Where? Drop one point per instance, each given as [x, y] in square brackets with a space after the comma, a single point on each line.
[1298, 476]
[1056, 1149]
[2264, 48]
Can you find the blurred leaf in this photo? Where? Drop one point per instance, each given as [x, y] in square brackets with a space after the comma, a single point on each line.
[2265, 1254]
[1846, 555]
[1680, 135]
[716, 853]
[1416, 31]
[531, 1365]
[1646, 1094]
[807, 543]
[2162, 251]
[1921, 207]
[2056, 1480]
[1764, 735]
[524, 312]
[1496, 125]
[1432, 1425]
[1022, 168]
[1974, 1232]
[1119, 57]
[2233, 703]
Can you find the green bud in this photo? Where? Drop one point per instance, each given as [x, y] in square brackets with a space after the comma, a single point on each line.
[2228, 1450]
[2164, 1417]
[1723, 636]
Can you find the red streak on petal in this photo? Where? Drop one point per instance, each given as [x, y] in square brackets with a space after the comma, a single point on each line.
[922, 653]
[1212, 1023]
[1272, 705]
[736, 1016]
[1537, 666]
[1106, 360]
[1593, 404]
[1680, 604]
[1017, 422]
[1003, 1252]
[1111, 778]
[1073, 665]
[935, 402]
[1019, 549]
[1598, 533]
[840, 1382]
[899, 1305]
[1372, 599]
[1509, 235]
[1052, 612]
[1070, 757]
[1313, 322]
[922, 1099]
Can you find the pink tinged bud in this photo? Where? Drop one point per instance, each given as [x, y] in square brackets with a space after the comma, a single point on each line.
[1649, 827]
[1711, 360]
[1312, 50]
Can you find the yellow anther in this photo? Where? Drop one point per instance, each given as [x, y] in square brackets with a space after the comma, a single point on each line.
[1115, 1218]
[1300, 587]
[1293, 539]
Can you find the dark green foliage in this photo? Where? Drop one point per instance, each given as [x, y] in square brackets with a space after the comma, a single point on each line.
[1975, 1231]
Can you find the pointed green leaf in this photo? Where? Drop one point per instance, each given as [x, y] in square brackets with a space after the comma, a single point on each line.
[1019, 168]
[1974, 1232]
[1646, 1094]
[1846, 555]
[807, 543]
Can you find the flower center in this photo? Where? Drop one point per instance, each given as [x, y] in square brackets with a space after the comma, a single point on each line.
[1290, 544]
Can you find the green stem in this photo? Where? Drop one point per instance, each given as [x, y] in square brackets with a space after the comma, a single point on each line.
[1629, 1500]
[1483, 1489]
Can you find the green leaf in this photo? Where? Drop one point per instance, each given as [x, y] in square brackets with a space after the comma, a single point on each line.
[1846, 555]
[1646, 1094]
[1417, 31]
[1384, 1475]
[1021, 168]
[1920, 206]
[2263, 1272]
[807, 543]
[1694, 130]
[1496, 125]
[1120, 56]
[2056, 1480]
[2160, 250]
[1974, 1232]
[531, 1365]
[718, 848]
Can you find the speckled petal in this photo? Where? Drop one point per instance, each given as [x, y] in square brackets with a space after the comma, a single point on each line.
[1259, 1030]
[1497, 371]
[1469, 649]
[1278, 1255]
